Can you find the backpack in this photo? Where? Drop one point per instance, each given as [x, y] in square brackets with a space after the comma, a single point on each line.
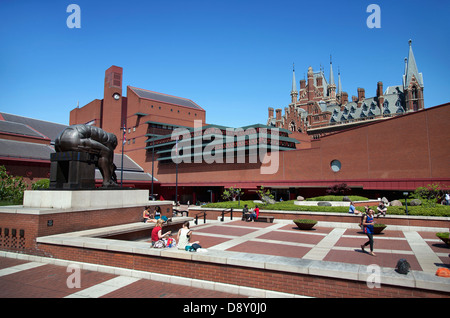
[361, 221]
[403, 266]
[443, 272]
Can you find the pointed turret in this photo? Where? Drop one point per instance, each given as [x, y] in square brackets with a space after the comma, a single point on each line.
[332, 85]
[294, 91]
[331, 72]
[412, 84]
[411, 69]
[339, 88]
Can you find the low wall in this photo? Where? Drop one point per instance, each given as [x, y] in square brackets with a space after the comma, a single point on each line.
[440, 223]
[243, 271]
[20, 226]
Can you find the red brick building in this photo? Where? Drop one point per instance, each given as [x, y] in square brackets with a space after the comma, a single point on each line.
[377, 156]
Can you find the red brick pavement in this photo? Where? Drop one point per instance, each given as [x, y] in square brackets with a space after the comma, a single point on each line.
[50, 281]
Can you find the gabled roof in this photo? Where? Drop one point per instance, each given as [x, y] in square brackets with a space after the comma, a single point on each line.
[18, 129]
[24, 150]
[143, 93]
[45, 128]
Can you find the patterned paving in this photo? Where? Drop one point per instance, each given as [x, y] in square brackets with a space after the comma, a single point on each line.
[423, 250]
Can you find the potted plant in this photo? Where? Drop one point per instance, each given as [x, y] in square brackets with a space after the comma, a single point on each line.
[378, 228]
[305, 224]
[444, 236]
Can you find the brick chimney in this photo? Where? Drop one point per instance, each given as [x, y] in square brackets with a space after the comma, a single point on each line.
[278, 112]
[361, 96]
[344, 98]
[380, 97]
[270, 112]
[302, 84]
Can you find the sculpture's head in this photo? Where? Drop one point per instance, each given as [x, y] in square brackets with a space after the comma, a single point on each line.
[112, 140]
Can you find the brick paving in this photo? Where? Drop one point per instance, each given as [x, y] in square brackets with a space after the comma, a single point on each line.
[50, 281]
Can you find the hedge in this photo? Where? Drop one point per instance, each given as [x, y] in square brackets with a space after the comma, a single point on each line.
[439, 210]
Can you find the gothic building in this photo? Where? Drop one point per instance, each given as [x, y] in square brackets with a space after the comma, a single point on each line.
[321, 107]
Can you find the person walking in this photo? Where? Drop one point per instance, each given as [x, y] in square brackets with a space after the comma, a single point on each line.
[368, 230]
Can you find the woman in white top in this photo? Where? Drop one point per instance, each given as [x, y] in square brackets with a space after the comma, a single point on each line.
[184, 235]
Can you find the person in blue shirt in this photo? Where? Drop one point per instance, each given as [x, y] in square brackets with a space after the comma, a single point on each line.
[352, 209]
[368, 229]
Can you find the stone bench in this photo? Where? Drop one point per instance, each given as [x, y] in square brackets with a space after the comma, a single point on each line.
[264, 218]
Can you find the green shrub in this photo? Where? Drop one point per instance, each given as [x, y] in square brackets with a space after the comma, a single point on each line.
[11, 188]
[444, 235]
[337, 198]
[308, 221]
[41, 184]
[439, 210]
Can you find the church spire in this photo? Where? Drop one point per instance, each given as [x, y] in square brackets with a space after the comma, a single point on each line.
[411, 69]
[339, 88]
[294, 82]
[294, 92]
[331, 72]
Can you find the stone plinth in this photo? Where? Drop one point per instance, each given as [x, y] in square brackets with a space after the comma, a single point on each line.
[72, 170]
[66, 199]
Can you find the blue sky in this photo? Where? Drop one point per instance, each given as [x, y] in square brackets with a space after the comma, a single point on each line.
[232, 57]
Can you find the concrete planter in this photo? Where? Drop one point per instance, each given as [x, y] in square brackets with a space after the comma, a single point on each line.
[304, 224]
[444, 238]
[378, 228]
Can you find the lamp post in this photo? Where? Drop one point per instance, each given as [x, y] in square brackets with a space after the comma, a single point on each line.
[405, 194]
[153, 158]
[123, 144]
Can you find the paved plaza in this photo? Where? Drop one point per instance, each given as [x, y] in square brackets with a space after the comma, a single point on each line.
[422, 249]
[23, 276]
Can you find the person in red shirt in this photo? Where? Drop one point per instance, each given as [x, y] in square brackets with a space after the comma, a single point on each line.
[255, 214]
[157, 232]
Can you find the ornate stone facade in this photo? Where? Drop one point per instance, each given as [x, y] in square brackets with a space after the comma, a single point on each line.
[321, 107]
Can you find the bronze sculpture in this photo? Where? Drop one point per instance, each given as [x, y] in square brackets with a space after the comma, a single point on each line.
[92, 140]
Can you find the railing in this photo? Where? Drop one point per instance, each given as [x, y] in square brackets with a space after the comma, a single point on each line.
[225, 212]
[196, 217]
[175, 212]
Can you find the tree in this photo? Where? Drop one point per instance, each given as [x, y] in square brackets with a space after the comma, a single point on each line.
[339, 189]
[11, 188]
[231, 193]
[265, 196]
[429, 195]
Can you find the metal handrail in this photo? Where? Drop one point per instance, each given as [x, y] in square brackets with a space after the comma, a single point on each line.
[196, 217]
[224, 212]
[178, 211]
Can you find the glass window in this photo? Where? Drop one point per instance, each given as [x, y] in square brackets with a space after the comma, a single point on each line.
[335, 165]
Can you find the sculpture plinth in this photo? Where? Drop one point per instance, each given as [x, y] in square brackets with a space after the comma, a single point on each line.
[72, 170]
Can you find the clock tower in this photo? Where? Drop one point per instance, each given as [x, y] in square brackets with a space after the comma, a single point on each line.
[114, 104]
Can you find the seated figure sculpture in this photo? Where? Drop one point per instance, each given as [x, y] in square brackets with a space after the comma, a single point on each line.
[94, 140]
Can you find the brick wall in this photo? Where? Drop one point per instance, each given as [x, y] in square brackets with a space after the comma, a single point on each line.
[38, 225]
[300, 284]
